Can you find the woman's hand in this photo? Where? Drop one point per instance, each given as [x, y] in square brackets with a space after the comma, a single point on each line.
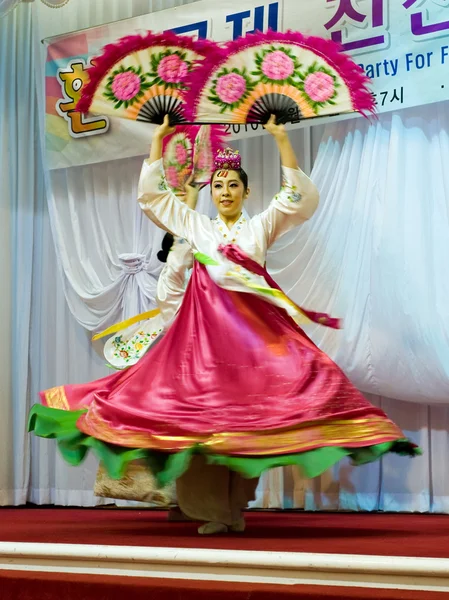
[165, 129]
[277, 131]
[158, 135]
[191, 193]
[288, 157]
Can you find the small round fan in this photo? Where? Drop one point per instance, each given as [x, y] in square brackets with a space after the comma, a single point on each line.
[191, 148]
[287, 74]
[141, 77]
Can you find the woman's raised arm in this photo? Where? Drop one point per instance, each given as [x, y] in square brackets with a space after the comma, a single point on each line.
[298, 198]
[157, 199]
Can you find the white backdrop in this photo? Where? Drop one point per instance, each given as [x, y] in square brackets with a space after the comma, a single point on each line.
[371, 254]
[375, 252]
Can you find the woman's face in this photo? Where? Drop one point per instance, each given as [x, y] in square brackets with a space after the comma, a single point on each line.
[228, 193]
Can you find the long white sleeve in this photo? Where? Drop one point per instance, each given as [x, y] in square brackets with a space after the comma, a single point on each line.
[161, 205]
[295, 203]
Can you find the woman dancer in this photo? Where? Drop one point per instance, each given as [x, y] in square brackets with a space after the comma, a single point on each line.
[234, 380]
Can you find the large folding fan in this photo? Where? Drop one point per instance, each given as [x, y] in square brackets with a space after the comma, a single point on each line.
[290, 75]
[142, 77]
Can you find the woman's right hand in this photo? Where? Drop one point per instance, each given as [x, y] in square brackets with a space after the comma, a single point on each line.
[156, 143]
[165, 129]
[191, 193]
[277, 131]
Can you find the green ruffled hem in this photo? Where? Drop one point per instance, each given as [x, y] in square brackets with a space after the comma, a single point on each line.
[74, 446]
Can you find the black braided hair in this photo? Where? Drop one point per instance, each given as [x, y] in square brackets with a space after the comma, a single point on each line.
[167, 243]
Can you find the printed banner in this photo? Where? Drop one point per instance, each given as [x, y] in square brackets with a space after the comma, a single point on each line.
[403, 46]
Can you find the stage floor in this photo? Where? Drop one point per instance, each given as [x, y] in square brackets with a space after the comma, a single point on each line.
[410, 535]
[109, 552]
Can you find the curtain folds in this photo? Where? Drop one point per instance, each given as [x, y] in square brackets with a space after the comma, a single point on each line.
[22, 203]
[375, 252]
[6, 6]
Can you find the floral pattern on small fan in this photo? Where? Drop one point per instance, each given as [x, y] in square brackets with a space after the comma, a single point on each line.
[209, 139]
[191, 148]
[125, 349]
[178, 156]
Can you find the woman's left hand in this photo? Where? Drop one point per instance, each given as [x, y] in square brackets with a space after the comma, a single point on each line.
[276, 130]
[164, 129]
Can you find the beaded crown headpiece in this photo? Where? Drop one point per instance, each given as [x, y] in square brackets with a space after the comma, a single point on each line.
[228, 159]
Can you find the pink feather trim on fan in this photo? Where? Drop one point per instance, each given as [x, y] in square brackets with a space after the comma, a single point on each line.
[113, 53]
[331, 52]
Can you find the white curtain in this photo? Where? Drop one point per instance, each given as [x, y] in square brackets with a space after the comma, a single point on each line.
[361, 258]
[22, 204]
[106, 245]
[375, 253]
[6, 6]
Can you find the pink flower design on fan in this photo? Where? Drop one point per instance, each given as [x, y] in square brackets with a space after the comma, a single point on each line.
[230, 88]
[126, 85]
[277, 65]
[204, 161]
[171, 173]
[319, 86]
[172, 69]
[181, 153]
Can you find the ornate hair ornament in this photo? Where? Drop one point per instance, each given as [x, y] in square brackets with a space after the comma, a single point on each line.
[228, 160]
